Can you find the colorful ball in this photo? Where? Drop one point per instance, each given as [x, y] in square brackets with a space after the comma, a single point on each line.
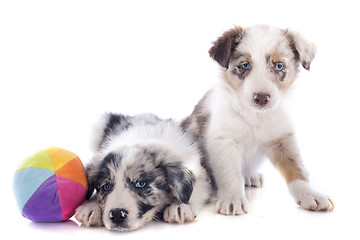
[50, 185]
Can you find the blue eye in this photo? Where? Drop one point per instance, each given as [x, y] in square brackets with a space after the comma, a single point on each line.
[140, 184]
[279, 66]
[245, 65]
[106, 187]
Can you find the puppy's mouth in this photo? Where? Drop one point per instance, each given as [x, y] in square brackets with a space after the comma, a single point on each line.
[258, 108]
[122, 229]
[124, 226]
[117, 220]
[262, 109]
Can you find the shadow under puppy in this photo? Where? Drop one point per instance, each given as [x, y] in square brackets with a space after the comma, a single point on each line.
[142, 166]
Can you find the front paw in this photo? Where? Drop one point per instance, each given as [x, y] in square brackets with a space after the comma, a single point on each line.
[253, 180]
[179, 213]
[309, 199]
[232, 206]
[89, 214]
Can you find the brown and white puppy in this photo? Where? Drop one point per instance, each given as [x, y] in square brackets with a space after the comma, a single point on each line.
[143, 166]
[241, 121]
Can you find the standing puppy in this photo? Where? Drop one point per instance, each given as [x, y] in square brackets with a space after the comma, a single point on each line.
[241, 120]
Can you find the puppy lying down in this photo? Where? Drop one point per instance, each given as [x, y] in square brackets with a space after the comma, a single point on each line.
[143, 167]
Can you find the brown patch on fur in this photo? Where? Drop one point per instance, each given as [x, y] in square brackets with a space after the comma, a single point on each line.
[285, 157]
[240, 73]
[234, 83]
[276, 58]
[240, 58]
[299, 56]
[197, 122]
[291, 39]
[225, 45]
[284, 78]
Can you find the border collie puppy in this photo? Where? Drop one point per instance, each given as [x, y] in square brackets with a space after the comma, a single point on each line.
[143, 166]
[241, 121]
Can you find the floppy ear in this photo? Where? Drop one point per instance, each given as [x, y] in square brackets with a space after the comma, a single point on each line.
[223, 47]
[91, 175]
[180, 180]
[303, 50]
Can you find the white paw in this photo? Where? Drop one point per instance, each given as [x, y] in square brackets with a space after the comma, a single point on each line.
[232, 206]
[179, 213]
[254, 180]
[309, 199]
[89, 213]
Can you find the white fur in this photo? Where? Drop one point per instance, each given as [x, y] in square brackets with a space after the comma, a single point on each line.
[179, 213]
[307, 198]
[240, 133]
[128, 139]
[89, 213]
[235, 141]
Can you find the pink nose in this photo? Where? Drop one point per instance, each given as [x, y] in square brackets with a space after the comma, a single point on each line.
[261, 99]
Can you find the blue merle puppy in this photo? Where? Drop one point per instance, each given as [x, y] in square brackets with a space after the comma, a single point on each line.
[143, 166]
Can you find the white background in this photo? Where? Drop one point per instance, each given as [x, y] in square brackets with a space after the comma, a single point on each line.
[63, 63]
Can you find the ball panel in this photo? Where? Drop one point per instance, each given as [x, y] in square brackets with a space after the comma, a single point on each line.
[50, 185]
[44, 205]
[73, 170]
[71, 195]
[40, 159]
[59, 157]
[27, 181]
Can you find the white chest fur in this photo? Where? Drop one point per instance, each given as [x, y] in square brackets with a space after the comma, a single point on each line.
[248, 129]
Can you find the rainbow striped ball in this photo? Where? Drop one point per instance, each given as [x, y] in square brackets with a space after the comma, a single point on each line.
[50, 185]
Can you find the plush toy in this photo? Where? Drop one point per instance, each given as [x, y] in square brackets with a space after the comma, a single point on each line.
[50, 185]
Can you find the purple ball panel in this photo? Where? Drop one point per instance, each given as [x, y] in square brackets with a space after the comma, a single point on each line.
[27, 181]
[44, 205]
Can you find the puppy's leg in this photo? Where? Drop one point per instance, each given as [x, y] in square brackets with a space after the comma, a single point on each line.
[179, 212]
[226, 161]
[285, 156]
[309, 199]
[253, 180]
[251, 175]
[89, 213]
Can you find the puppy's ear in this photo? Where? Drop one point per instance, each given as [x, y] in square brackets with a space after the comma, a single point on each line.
[180, 180]
[303, 50]
[223, 47]
[107, 125]
[91, 175]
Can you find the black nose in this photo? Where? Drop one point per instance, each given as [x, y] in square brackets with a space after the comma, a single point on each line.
[118, 215]
[261, 99]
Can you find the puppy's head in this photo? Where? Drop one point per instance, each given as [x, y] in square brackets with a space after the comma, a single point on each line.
[134, 184]
[261, 63]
